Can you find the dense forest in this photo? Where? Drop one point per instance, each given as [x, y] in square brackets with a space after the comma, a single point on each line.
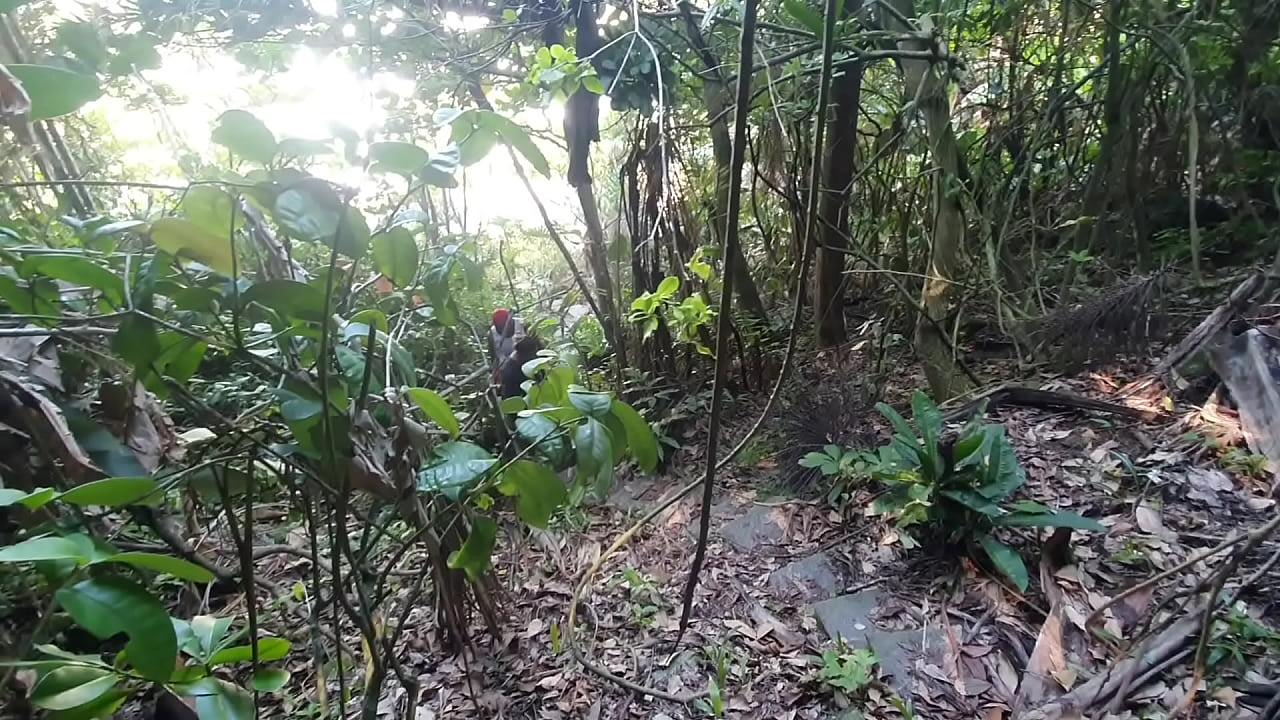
[797, 359]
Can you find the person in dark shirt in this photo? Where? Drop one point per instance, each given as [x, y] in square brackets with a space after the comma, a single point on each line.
[511, 371]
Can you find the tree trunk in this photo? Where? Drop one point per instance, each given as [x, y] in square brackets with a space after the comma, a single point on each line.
[715, 97]
[833, 203]
[581, 128]
[946, 380]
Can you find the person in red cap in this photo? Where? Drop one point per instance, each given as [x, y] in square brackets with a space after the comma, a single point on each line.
[504, 333]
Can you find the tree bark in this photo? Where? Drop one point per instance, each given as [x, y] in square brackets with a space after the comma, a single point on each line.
[922, 82]
[715, 96]
[833, 207]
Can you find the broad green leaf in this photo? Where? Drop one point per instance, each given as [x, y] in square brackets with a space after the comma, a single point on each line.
[1049, 519]
[592, 84]
[183, 238]
[973, 501]
[217, 699]
[518, 138]
[668, 287]
[476, 146]
[7, 6]
[270, 649]
[476, 554]
[369, 317]
[311, 211]
[116, 228]
[177, 567]
[54, 91]
[105, 706]
[72, 686]
[212, 208]
[108, 605]
[77, 270]
[538, 491]
[808, 18]
[290, 298]
[245, 136]
[50, 547]
[210, 632]
[401, 158]
[395, 255]
[535, 427]
[595, 453]
[269, 680]
[435, 408]
[929, 420]
[900, 426]
[641, 440]
[111, 492]
[592, 404]
[303, 148]
[1001, 472]
[460, 466]
[441, 168]
[10, 496]
[1006, 561]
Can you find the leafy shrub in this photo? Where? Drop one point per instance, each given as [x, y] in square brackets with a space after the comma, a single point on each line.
[963, 490]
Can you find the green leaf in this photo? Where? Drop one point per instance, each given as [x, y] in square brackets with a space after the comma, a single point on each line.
[516, 137]
[210, 632]
[7, 6]
[72, 686]
[973, 501]
[592, 84]
[808, 18]
[77, 270]
[10, 496]
[109, 605]
[311, 211]
[269, 680]
[183, 238]
[476, 554]
[54, 91]
[1006, 561]
[217, 699]
[270, 649]
[401, 158]
[177, 567]
[395, 255]
[111, 492]
[538, 491]
[290, 298]
[461, 466]
[441, 168]
[435, 408]
[1051, 519]
[595, 452]
[668, 287]
[212, 208]
[369, 317]
[105, 706]
[476, 146]
[929, 420]
[245, 136]
[592, 404]
[641, 440]
[50, 547]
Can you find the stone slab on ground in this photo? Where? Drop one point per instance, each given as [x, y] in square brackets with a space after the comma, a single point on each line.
[813, 578]
[851, 617]
[761, 525]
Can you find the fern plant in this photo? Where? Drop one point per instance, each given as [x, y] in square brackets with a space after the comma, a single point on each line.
[962, 490]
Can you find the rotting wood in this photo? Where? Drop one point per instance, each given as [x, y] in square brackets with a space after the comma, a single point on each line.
[1012, 394]
[1249, 365]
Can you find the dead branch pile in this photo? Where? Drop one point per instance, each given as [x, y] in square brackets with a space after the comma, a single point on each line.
[1121, 319]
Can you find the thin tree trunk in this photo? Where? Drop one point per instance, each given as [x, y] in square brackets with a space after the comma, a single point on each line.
[833, 207]
[946, 380]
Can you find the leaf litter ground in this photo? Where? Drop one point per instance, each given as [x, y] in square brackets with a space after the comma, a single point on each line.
[775, 563]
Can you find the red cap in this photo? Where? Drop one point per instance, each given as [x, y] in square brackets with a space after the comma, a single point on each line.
[500, 318]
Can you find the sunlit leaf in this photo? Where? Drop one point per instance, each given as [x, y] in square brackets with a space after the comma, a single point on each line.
[435, 408]
[212, 208]
[395, 255]
[245, 136]
[111, 492]
[460, 465]
[183, 238]
[54, 91]
[401, 158]
[270, 649]
[42, 548]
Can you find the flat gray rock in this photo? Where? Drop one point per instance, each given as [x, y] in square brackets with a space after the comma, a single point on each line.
[851, 617]
[813, 578]
[761, 525]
